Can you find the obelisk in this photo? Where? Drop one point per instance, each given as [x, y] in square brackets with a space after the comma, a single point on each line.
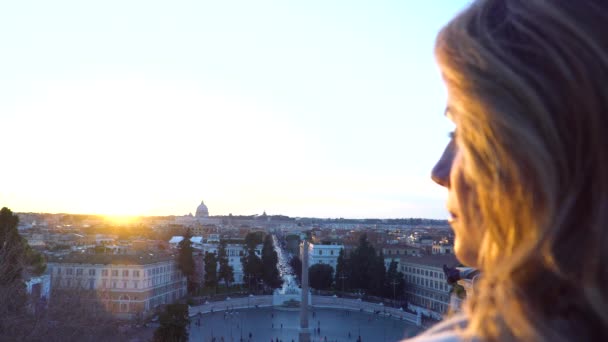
[304, 332]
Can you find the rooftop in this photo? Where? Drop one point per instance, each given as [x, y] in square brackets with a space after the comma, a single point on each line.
[112, 259]
[436, 260]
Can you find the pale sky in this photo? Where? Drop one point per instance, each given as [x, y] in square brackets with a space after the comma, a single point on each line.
[301, 108]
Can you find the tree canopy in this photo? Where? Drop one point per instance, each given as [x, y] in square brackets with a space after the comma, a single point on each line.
[210, 270]
[253, 268]
[395, 282]
[173, 324]
[320, 276]
[364, 270]
[296, 265]
[341, 271]
[17, 261]
[185, 260]
[270, 262]
[226, 273]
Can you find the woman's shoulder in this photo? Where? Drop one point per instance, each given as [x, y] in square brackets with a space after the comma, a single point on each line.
[446, 331]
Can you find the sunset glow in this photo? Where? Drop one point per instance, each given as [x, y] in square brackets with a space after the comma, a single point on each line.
[142, 119]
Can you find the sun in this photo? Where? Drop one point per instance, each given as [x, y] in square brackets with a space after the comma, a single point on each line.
[120, 219]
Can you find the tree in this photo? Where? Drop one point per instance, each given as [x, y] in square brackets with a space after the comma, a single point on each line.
[252, 264]
[12, 264]
[341, 271]
[270, 262]
[185, 261]
[395, 282]
[173, 324]
[320, 276]
[210, 270]
[226, 272]
[362, 258]
[366, 268]
[17, 260]
[253, 239]
[377, 275]
[293, 243]
[296, 265]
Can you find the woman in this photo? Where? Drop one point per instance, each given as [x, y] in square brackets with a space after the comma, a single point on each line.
[527, 168]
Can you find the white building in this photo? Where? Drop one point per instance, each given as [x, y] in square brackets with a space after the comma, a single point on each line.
[234, 253]
[213, 238]
[324, 254]
[196, 241]
[128, 286]
[443, 249]
[387, 263]
[38, 289]
[427, 290]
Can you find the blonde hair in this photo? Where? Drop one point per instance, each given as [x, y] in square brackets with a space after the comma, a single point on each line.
[527, 81]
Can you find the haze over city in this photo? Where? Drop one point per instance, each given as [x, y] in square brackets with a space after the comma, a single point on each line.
[145, 108]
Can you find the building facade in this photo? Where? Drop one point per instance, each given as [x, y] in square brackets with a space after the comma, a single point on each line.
[426, 287]
[128, 286]
[234, 253]
[324, 254]
[443, 249]
[397, 251]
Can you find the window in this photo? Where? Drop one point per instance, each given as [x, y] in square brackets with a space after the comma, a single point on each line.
[135, 283]
[113, 284]
[114, 273]
[91, 284]
[58, 270]
[69, 282]
[124, 284]
[104, 273]
[69, 271]
[91, 271]
[136, 274]
[320, 252]
[125, 273]
[79, 271]
[331, 252]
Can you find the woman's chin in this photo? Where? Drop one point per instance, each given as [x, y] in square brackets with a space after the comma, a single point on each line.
[466, 256]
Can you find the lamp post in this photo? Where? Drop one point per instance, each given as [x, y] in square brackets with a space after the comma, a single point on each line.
[394, 283]
[342, 277]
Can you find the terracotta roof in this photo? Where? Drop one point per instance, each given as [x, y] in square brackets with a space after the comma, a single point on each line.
[112, 259]
[435, 260]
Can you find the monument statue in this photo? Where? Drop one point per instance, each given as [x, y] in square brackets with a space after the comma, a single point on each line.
[304, 331]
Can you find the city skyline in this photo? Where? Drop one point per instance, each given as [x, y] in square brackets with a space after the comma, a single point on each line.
[300, 109]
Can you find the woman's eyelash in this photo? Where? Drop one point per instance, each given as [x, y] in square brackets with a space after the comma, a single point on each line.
[452, 134]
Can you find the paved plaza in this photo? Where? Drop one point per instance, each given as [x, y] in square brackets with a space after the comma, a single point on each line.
[266, 324]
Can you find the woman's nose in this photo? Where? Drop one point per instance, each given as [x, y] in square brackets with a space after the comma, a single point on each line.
[441, 171]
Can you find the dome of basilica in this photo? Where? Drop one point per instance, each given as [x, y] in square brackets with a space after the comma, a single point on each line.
[202, 210]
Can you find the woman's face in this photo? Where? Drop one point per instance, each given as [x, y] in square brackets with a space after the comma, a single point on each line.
[448, 172]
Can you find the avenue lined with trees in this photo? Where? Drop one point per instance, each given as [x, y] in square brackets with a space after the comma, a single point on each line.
[362, 271]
